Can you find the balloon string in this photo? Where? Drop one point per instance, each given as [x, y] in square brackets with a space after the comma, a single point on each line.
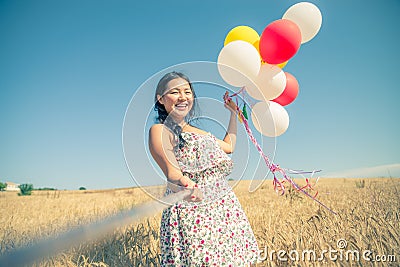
[274, 168]
[238, 92]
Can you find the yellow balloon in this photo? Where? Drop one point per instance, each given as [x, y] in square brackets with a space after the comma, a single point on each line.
[256, 44]
[244, 33]
[282, 65]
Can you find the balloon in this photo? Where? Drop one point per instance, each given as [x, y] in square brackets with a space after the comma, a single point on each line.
[244, 33]
[256, 44]
[270, 118]
[282, 65]
[291, 91]
[279, 41]
[269, 83]
[308, 17]
[238, 63]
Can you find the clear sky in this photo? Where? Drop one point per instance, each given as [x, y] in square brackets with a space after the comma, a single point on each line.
[68, 71]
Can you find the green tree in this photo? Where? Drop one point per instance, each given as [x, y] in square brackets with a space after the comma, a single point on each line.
[26, 189]
[82, 188]
[2, 186]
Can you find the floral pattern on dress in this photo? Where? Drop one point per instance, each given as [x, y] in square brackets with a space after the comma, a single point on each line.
[215, 231]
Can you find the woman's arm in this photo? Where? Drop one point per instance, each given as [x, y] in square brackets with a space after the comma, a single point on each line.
[161, 147]
[229, 141]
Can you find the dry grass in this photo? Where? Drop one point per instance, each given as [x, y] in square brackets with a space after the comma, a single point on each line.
[368, 219]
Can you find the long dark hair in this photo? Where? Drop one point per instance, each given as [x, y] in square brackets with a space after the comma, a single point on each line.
[162, 114]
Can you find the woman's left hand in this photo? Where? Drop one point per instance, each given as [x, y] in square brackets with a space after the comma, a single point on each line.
[231, 106]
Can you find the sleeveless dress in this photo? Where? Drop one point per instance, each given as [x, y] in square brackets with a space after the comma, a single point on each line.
[215, 231]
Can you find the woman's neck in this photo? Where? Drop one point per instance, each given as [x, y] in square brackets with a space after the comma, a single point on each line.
[181, 123]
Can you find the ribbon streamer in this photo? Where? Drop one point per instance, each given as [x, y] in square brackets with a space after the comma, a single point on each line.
[275, 169]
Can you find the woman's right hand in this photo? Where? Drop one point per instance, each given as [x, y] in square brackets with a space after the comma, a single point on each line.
[195, 193]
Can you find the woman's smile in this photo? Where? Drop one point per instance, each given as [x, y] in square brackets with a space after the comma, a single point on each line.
[182, 106]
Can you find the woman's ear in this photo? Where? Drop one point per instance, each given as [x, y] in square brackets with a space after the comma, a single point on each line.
[160, 100]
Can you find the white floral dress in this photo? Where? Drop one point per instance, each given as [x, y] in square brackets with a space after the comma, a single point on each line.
[215, 231]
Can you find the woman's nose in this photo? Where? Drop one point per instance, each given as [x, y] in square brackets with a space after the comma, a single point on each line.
[182, 95]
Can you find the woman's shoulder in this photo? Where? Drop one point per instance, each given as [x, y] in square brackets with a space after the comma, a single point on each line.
[156, 127]
[159, 129]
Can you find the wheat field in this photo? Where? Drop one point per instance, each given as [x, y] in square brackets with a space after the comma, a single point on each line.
[291, 230]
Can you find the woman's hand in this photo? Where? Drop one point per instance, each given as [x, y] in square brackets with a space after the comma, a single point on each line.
[229, 104]
[195, 194]
[229, 141]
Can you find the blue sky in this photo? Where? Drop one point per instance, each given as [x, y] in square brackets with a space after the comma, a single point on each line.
[70, 68]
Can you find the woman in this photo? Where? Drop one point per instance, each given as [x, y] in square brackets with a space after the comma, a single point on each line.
[208, 228]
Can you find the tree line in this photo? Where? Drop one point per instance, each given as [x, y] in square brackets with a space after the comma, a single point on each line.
[26, 189]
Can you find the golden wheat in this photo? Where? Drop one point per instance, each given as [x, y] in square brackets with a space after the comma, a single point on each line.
[367, 220]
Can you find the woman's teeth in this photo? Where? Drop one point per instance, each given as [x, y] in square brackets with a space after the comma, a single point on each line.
[181, 105]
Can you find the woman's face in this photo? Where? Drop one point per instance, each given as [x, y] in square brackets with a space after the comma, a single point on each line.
[178, 98]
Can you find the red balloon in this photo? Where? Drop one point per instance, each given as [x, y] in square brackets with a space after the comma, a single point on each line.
[290, 93]
[279, 41]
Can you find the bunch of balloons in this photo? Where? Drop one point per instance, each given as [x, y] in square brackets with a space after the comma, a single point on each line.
[255, 62]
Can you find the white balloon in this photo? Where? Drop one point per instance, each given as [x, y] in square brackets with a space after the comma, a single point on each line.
[269, 83]
[238, 63]
[308, 17]
[270, 118]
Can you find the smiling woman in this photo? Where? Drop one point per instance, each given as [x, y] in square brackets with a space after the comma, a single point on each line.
[209, 227]
[175, 102]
